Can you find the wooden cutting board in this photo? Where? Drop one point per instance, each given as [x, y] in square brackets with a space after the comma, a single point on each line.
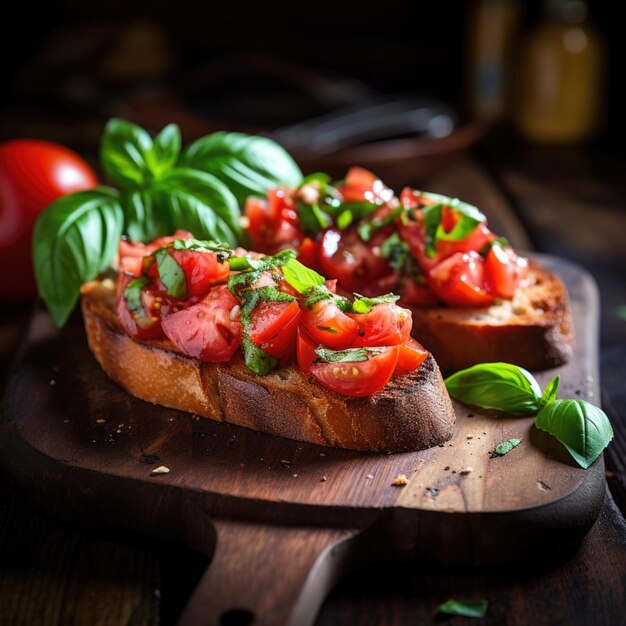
[283, 519]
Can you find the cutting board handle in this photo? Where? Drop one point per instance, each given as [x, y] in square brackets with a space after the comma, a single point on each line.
[263, 575]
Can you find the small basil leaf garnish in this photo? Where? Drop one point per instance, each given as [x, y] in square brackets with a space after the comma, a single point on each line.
[500, 386]
[300, 277]
[171, 274]
[395, 251]
[132, 293]
[350, 355]
[584, 429]
[363, 304]
[257, 360]
[550, 392]
[466, 608]
[506, 446]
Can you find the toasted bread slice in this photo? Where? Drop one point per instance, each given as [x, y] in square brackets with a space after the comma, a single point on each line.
[412, 412]
[533, 330]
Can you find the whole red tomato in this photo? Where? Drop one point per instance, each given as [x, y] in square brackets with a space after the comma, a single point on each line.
[33, 174]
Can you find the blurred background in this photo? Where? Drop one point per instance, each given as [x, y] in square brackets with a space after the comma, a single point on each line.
[406, 86]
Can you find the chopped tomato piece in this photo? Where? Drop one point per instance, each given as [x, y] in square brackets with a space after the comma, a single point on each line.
[358, 378]
[209, 330]
[386, 324]
[410, 356]
[459, 281]
[309, 253]
[504, 270]
[328, 325]
[350, 260]
[413, 293]
[473, 242]
[273, 328]
[305, 350]
[143, 322]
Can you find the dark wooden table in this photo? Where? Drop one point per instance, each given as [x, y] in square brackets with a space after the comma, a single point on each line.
[566, 202]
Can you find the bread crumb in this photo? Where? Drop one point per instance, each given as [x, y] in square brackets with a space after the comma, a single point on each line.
[466, 470]
[323, 479]
[295, 475]
[400, 481]
[286, 463]
[470, 437]
[370, 476]
[160, 470]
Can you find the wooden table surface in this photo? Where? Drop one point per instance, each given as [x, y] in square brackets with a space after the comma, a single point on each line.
[565, 202]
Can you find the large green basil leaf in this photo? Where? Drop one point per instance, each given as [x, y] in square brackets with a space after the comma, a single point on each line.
[199, 202]
[143, 219]
[248, 165]
[500, 386]
[123, 150]
[129, 156]
[582, 428]
[75, 238]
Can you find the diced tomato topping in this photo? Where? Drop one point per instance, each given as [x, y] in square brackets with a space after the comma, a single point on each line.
[145, 322]
[350, 260]
[305, 350]
[309, 253]
[328, 325]
[208, 330]
[504, 271]
[410, 356]
[460, 281]
[385, 324]
[274, 327]
[413, 293]
[359, 378]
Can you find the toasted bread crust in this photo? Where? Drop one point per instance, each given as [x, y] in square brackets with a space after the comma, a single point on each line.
[534, 331]
[412, 412]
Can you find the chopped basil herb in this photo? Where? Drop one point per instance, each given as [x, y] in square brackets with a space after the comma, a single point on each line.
[466, 608]
[366, 230]
[300, 277]
[344, 219]
[506, 446]
[312, 218]
[257, 360]
[395, 251]
[198, 244]
[469, 218]
[351, 355]
[252, 268]
[319, 177]
[363, 304]
[171, 274]
[132, 293]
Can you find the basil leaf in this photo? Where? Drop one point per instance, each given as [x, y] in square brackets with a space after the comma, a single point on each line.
[501, 386]
[165, 150]
[300, 277]
[470, 217]
[239, 263]
[199, 202]
[312, 219]
[466, 608]
[203, 246]
[143, 219]
[74, 240]
[363, 304]
[344, 219]
[350, 355]
[506, 446]
[123, 150]
[257, 360]
[366, 230]
[132, 293]
[431, 216]
[550, 392]
[248, 165]
[584, 429]
[395, 251]
[171, 274]
[319, 177]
